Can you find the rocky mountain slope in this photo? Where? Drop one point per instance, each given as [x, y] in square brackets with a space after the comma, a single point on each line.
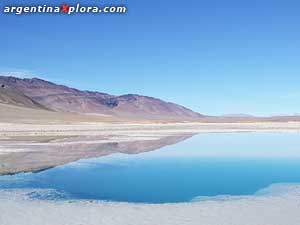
[13, 97]
[65, 99]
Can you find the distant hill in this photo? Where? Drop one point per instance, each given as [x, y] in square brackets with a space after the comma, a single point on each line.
[239, 115]
[43, 94]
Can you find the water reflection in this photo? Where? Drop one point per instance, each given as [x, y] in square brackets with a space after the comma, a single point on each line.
[46, 155]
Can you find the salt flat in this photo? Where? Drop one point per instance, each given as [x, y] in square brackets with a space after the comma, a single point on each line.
[276, 205]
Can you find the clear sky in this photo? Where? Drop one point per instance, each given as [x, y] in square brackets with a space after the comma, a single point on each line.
[213, 56]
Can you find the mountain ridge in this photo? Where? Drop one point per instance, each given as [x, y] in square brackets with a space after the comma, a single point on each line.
[62, 98]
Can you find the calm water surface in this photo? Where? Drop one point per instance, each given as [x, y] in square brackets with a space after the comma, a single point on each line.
[204, 165]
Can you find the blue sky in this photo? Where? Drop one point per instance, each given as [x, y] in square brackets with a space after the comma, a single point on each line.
[215, 57]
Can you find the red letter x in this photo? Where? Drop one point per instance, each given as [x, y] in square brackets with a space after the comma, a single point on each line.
[64, 8]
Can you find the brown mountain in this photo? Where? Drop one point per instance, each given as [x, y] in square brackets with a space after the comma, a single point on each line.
[65, 99]
[14, 97]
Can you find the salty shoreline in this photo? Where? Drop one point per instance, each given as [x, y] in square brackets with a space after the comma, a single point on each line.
[276, 205]
[15, 130]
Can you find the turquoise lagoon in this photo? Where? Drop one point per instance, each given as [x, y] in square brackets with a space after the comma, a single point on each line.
[209, 165]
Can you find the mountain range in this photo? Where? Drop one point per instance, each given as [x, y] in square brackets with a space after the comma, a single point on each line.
[34, 99]
[40, 94]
